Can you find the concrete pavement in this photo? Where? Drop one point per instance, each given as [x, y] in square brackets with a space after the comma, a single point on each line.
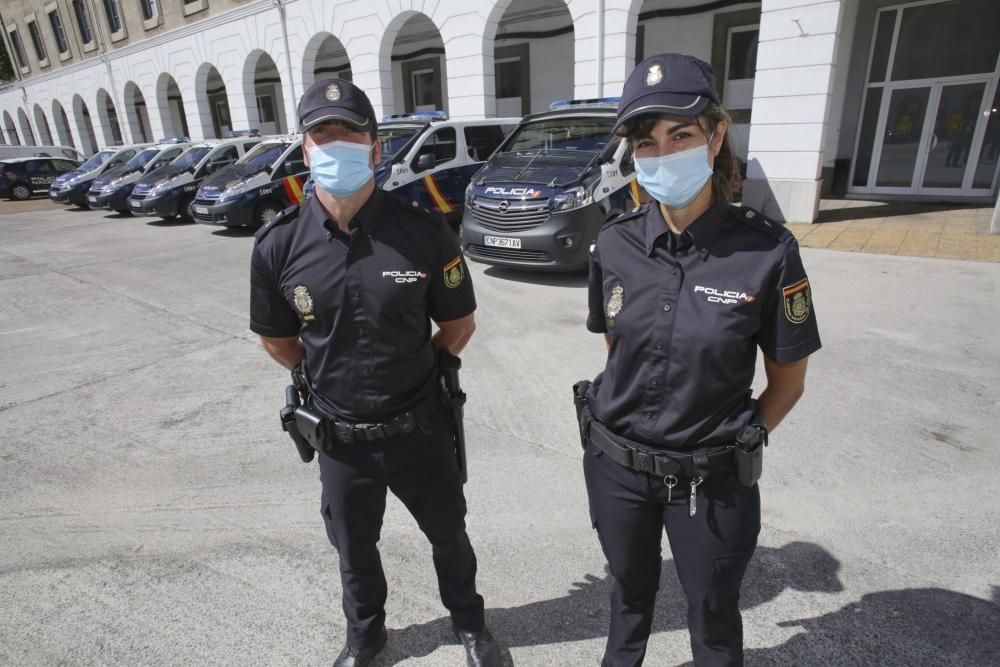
[153, 514]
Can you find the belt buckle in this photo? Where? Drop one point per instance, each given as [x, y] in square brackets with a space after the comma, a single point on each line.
[642, 461]
[344, 433]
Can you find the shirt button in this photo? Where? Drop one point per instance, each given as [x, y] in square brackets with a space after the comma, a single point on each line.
[649, 415]
[361, 332]
[666, 308]
[656, 382]
[659, 346]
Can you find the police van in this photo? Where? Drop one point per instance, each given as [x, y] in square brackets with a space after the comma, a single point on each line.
[112, 189]
[21, 177]
[542, 197]
[430, 159]
[170, 191]
[72, 188]
[253, 191]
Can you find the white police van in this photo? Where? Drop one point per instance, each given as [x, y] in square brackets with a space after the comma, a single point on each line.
[430, 159]
[112, 189]
[72, 188]
[268, 179]
[170, 191]
[540, 200]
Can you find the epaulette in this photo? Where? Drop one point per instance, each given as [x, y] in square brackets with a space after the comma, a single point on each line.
[752, 218]
[636, 212]
[283, 218]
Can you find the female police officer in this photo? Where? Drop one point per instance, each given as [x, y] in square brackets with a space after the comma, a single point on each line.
[685, 289]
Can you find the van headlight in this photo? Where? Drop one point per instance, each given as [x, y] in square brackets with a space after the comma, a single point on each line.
[577, 197]
[233, 191]
[113, 185]
[159, 187]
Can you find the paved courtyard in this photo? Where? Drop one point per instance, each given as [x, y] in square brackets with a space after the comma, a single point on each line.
[153, 513]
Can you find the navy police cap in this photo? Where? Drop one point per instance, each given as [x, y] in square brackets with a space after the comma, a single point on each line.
[335, 99]
[668, 83]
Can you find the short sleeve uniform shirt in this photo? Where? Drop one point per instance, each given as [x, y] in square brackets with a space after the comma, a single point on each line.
[361, 302]
[685, 315]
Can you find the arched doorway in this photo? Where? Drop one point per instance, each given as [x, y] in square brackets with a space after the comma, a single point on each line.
[533, 56]
[419, 74]
[10, 130]
[264, 94]
[325, 57]
[61, 121]
[136, 114]
[213, 102]
[26, 132]
[84, 126]
[108, 118]
[172, 115]
[42, 123]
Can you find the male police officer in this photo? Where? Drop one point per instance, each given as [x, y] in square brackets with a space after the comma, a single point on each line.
[346, 286]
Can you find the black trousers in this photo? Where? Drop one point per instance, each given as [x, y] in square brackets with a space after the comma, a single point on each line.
[711, 550]
[421, 470]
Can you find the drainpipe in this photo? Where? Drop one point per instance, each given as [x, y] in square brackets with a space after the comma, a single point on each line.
[280, 4]
[119, 104]
[600, 48]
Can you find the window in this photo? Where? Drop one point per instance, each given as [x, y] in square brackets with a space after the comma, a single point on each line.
[508, 77]
[36, 41]
[294, 164]
[113, 13]
[192, 6]
[15, 40]
[742, 53]
[481, 141]
[441, 145]
[83, 21]
[148, 9]
[57, 29]
[63, 165]
[265, 108]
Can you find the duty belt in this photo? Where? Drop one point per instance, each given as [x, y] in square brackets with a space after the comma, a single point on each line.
[331, 431]
[668, 464]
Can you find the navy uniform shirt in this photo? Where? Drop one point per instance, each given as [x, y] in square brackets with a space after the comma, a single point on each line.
[686, 314]
[362, 302]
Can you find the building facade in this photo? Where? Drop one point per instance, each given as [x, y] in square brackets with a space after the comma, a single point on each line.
[875, 98]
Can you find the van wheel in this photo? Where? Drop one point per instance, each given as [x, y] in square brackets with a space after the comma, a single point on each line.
[612, 214]
[20, 192]
[265, 212]
[184, 208]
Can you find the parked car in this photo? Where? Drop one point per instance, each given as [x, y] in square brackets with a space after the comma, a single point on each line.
[22, 177]
[542, 197]
[253, 191]
[72, 188]
[113, 188]
[430, 159]
[170, 191]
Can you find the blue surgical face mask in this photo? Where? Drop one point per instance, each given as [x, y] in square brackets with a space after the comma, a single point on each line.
[340, 167]
[676, 179]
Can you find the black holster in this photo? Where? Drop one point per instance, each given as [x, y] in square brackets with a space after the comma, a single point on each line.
[454, 400]
[583, 416]
[294, 418]
[749, 451]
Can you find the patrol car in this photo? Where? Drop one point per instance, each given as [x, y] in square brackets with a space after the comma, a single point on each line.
[72, 188]
[170, 191]
[112, 189]
[24, 176]
[539, 202]
[430, 159]
[253, 191]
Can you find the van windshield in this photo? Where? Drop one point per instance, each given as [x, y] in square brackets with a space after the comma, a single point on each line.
[189, 158]
[262, 156]
[142, 158]
[95, 161]
[589, 135]
[393, 139]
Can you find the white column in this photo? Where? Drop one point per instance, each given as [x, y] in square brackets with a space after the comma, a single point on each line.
[619, 45]
[796, 62]
[585, 50]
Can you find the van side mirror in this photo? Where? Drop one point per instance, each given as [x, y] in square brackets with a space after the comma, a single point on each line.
[424, 162]
[293, 167]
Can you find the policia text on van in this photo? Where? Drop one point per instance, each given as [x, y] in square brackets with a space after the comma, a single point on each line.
[540, 200]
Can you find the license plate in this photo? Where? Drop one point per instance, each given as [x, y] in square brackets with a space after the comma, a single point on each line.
[134, 205]
[201, 210]
[92, 200]
[502, 242]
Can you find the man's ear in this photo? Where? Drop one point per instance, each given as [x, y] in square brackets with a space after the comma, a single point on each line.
[377, 152]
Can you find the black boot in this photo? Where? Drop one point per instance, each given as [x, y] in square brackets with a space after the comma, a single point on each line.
[360, 657]
[480, 647]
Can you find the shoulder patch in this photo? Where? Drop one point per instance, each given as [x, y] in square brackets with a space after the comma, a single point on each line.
[636, 212]
[283, 218]
[753, 219]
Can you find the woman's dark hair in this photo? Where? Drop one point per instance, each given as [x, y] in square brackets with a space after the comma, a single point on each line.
[726, 179]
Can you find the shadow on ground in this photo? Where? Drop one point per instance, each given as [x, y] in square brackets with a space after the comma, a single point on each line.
[890, 209]
[234, 232]
[548, 278]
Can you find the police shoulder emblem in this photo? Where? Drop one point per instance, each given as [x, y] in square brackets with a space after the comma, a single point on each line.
[614, 305]
[303, 302]
[654, 74]
[798, 301]
[454, 274]
[333, 93]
